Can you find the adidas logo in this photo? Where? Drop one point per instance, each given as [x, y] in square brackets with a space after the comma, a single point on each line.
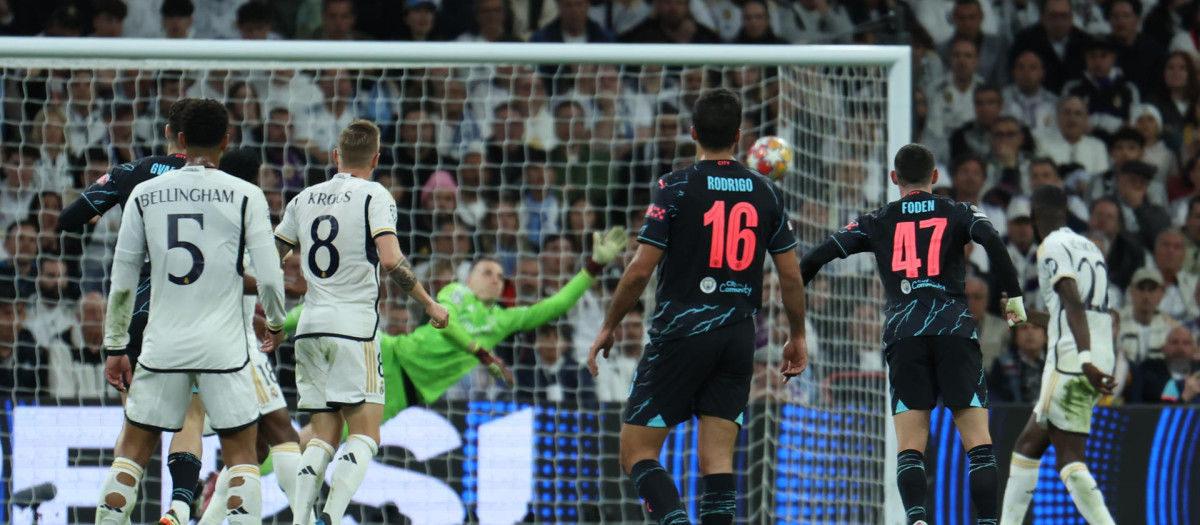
[308, 470]
[110, 508]
[348, 457]
[238, 511]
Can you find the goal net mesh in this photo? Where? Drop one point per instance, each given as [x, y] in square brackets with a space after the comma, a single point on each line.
[516, 162]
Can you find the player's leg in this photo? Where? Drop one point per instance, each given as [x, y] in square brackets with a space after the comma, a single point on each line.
[1069, 448]
[914, 392]
[312, 374]
[640, 448]
[233, 414]
[959, 368]
[721, 404]
[356, 383]
[276, 429]
[718, 436]
[183, 461]
[156, 403]
[1023, 472]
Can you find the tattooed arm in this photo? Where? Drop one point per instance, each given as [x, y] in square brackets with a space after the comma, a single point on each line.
[396, 266]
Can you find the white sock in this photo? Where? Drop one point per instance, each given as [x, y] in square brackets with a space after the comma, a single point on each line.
[348, 474]
[249, 512]
[215, 513]
[309, 477]
[123, 493]
[1086, 494]
[183, 511]
[1022, 480]
[286, 458]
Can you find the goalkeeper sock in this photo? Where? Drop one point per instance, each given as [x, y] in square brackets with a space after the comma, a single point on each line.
[348, 474]
[719, 502]
[286, 457]
[983, 479]
[245, 495]
[118, 493]
[1085, 493]
[215, 513]
[658, 490]
[309, 478]
[185, 474]
[911, 482]
[1022, 480]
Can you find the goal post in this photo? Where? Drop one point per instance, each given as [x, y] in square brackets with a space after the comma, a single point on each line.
[818, 449]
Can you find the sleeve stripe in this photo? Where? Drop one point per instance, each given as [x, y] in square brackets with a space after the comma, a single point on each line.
[840, 247]
[285, 240]
[381, 231]
[648, 240]
[788, 247]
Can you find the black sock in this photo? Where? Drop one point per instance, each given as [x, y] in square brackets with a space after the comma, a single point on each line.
[658, 490]
[185, 474]
[719, 502]
[983, 484]
[910, 480]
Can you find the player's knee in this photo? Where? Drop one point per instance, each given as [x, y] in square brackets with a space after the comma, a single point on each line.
[234, 501]
[711, 463]
[126, 479]
[115, 500]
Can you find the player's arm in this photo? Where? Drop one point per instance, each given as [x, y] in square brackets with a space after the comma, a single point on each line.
[128, 258]
[980, 230]
[791, 287]
[269, 275]
[605, 249]
[397, 267]
[287, 231]
[629, 289]
[1076, 313]
[852, 239]
[95, 200]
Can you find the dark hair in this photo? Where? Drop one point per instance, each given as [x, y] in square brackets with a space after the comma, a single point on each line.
[177, 8]
[963, 160]
[66, 17]
[968, 2]
[716, 117]
[116, 8]
[257, 13]
[987, 88]
[1047, 161]
[963, 38]
[914, 164]
[175, 115]
[18, 224]
[1111, 200]
[1127, 134]
[325, 5]
[26, 150]
[242, 163]
[1049, 200]
[205, 123]
[1136, 5]
[568, 102]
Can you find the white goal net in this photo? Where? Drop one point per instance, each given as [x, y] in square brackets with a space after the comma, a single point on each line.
[516, 152]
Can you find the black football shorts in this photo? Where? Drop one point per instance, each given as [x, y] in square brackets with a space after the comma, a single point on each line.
[925, 368]
[707, 374]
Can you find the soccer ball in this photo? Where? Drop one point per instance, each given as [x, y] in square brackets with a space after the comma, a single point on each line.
[770, 156]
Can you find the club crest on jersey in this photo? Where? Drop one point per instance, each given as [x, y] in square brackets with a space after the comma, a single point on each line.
[656, 212]
[905, 287]
[708, 285]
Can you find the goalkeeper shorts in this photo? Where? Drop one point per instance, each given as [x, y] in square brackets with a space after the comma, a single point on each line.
[922, 369]
[706, 374]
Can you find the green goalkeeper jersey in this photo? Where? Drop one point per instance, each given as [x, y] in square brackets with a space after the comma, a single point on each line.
[433, 359]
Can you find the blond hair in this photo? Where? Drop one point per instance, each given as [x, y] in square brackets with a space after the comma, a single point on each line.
[358, 144]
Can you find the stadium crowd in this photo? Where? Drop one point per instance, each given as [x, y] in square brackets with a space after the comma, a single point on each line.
[522, 164]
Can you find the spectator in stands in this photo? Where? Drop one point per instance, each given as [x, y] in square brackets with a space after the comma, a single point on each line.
[291, 89]
[1146, 119]
[458, 129]
[1141, 214]
[952, 99]
[396, 318]
[584, 164]
[337, 23]
[170, 86]
[619, 16]
[541, 202]
[85, 124]
[506, 150]
[635, 172]
[670, 23]
[52, 313]
[285, 162]
[1022, 245]
[967, 16]
[756, 25]
[20, 176]
[108, 18]
[245, 115]
[22, 364]
[45, 210]
[76, 359]
[49, 136]
[502, 236]
[1179, 286]
[1016, 376]
[993, 330]
[1026, 98]
[1180, 86]
[1069, 143]
[1125, 251]
[319, 131]
[1126, 145]
[618, 370]
[254, 22]
[1170, 378]
[1042, 171]
[815, 22]
[1008, 157]
[1143, 329]
[177, 18]
[1139, 56]
[936, 17]
[967, 177]
[530, 15]
[1166, 20]
[558, 258]
[1109, 92]
[123, 146]
[420, 22]
[556, 377]
[1057, 41]
[529, 95]
[493, 21]
[975, 136]
[64, 22]
[573, 26]
[474, 180]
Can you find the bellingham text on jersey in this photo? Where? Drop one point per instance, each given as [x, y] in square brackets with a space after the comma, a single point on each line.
[153, 197]
[730, 184]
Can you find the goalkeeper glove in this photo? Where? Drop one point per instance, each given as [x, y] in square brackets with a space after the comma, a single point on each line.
[609, 246]
[495, 366]
[1015, 308]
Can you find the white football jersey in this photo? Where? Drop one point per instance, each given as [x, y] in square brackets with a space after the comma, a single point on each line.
[1065, 254]
[196, 224]
[334, 224]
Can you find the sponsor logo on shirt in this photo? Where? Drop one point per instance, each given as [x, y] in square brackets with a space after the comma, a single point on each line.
[736, 287]
[708, 285]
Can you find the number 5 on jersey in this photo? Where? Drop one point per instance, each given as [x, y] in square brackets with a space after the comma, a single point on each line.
[904, 248]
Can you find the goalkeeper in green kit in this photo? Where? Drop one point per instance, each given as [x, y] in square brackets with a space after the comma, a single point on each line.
[420, 367]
